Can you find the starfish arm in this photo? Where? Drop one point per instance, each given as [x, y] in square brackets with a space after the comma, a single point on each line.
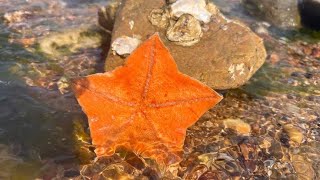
[126, 84]
[182, 101]
[83, 85]
[167, 86]
[140, 65]
[106, 113]
[107, 138]
[173, 121]
[145, 139]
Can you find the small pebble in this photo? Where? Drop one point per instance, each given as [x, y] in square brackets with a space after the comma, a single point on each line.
[294, 133]
[237, 125]
[308, 75]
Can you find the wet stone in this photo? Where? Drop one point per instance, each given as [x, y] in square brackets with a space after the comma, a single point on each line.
[295, 134]
[238, 126]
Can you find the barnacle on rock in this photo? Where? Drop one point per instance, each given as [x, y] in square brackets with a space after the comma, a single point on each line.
[186, 31]
[159, 18]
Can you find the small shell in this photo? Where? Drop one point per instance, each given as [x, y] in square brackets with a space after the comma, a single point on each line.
[196, 8]
[159, 18]
[186, 31]
[125, 45]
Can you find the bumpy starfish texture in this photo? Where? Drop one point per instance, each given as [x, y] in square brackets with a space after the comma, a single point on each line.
[145, 106]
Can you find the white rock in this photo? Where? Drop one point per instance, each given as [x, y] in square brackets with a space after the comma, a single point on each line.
[125, 45]
[196, 8]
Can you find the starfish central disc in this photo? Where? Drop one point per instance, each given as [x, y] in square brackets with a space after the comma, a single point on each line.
[145, 106]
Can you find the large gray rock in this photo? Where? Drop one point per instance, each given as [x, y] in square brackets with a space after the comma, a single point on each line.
[226, 56]
[281, 13]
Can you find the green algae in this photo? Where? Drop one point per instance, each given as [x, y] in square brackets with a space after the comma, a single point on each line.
[270, 79]
[70, 41]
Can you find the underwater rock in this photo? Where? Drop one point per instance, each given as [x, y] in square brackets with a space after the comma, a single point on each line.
[125, 45]
[196, 8]
[238, 126]
[310, 13]
[227, 55]
[186, 31]
[284, 14]
[70, 41]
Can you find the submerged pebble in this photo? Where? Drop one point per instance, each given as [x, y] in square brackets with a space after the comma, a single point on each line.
[294, 133]
[237, 125]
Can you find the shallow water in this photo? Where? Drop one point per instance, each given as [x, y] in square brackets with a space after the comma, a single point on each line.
[44, 134]
[37, 122]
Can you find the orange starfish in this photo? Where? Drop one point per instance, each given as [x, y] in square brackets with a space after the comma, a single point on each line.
[145, 106]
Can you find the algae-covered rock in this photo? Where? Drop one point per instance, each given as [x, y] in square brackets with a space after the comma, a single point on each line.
[106, 15]
[70, 41]
[284, 14]
[227, 55]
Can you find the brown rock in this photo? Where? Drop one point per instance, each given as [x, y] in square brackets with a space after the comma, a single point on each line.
[227, 55]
